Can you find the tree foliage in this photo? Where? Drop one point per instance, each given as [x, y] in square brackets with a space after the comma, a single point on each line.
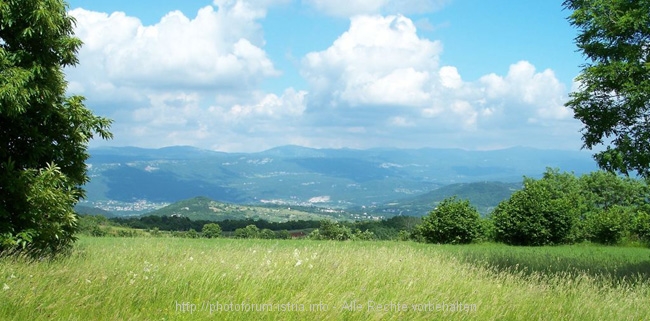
[609, 226]
[454, 221]
[330, 230]
[43, 134]
[544, 212]
[211, 230]
[561, 208]
[603, 190]
[613, 99]
[248, 232]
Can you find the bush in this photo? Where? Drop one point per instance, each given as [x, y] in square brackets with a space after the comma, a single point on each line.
[249, 232]
[641, 226]
[91, 225]
[211, 230]
[487, 229]
[155, 232]
[452, 222]
[403, 235]
[192, 233]
[314, 235]
[127, 233]
[178, 234]
[267, 234]
[544, 212]
[97, 231]
[283, 235]
[609, 226]
[366, 235]
[329, 230]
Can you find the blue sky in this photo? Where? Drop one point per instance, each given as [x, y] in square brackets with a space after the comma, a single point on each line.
[247, 75]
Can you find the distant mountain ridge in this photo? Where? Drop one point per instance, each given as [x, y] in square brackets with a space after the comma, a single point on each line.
[294, 175]
[484, 196]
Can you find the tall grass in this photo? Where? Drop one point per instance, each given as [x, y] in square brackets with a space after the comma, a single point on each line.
[184, 279]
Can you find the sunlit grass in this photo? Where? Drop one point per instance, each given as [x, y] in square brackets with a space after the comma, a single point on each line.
[172, 279]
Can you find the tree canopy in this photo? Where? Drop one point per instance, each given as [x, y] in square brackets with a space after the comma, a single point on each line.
[613, 99]
[44, 134]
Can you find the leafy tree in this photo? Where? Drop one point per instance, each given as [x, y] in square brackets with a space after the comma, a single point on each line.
[454, 221]
[366, 235]
[43, 133]
[487, 229]
[314, 235]
[603, 190]
[544, 212]
[192, 233]
[641, 226]
[283, 235]
[403, 235]
[267, 234]
[611, 203]
[249, 232]
[330, 230]
[610, 226]
[613, 99]
[211, 230]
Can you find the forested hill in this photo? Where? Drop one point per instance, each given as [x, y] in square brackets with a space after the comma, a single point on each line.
[135, 180]
[482, 195]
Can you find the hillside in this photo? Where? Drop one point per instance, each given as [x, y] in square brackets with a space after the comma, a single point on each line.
[131, 181]
[203, 208]
[483, 195]
[86, 210]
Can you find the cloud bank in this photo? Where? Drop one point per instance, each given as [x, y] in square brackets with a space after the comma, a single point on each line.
[197, 81]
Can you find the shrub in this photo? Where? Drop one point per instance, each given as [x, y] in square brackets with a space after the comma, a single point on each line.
[641, 226]
[126, 233]
[283, 235]
[192, 233]
[544, 212]
[178, 234]
[97, 231]
[314, 235]
[487, 229]
[329, 230]
[609, 226]
[453, 221]
[249, 232]
[267, 234]
[211, 230]
[155, 232]
[366, 235]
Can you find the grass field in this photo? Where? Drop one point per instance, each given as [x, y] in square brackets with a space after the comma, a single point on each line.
[226, 279]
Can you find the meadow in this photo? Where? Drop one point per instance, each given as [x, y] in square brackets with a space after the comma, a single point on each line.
[109, 278]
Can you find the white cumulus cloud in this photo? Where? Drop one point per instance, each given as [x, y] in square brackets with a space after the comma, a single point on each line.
[381, 72]
[216, 49]
[379, 60]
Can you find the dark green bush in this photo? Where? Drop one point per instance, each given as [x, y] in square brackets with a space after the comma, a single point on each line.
[248, 232]
[266, 234]
[211, 230]
[283, 235]
[330, 230]
[544, 212]
[641, 226]
[453, 221]
[192, 233]
[609, 226]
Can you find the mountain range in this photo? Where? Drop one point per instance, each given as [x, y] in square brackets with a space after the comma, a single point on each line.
[131, 180]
